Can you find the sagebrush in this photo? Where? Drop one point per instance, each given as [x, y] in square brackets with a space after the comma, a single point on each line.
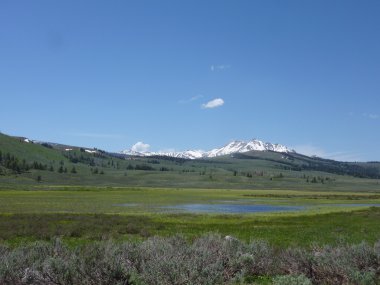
[210, 259]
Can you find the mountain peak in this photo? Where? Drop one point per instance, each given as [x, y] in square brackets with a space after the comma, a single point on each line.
[236, 146]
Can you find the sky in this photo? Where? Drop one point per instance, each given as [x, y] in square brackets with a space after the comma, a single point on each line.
[178, 75]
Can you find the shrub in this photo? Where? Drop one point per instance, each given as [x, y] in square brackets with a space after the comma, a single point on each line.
[376, 249]
[163, 261]
[291, 280]
[259, 259]
[106, 263]
[44, 263]
[14, 263]
[340, 265]
[363, 278]
[296, 261]
[211, 260]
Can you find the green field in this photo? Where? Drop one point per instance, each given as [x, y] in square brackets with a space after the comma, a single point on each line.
[80, 214]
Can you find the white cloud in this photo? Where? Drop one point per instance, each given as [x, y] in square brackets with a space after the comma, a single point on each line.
[140, 147]
[192, 99]
[220, 67]
[213, 103]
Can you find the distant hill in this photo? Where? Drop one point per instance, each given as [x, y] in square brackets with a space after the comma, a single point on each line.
[299, 162]
[27, 162]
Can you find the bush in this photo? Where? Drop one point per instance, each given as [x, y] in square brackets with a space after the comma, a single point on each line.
[106, 263]
[363, 278]
[376, 249]
[211, 260]
[296, 261]
[173, 261]
[340, 265]
[44, 263]
[259, 259]
[291, 280]
[163, 261]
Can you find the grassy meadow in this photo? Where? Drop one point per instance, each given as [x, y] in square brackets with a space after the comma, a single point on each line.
[80, 214]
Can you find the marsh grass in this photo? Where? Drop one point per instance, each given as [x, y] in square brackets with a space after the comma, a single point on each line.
[87, 213]
[109, 200]
[299, 230]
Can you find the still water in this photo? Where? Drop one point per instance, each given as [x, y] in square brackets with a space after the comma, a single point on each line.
[235, 208]
[231, 208]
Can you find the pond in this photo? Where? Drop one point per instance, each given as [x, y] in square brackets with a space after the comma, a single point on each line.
[231, 208]
[237, 208]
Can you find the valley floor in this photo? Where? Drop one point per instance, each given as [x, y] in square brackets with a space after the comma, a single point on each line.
[80, 214]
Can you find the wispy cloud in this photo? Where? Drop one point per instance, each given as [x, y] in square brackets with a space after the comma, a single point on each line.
[192, 99]
[311, 150]
[213, 103]
[140, 147]
[219, 67]
[96, 135]
[166, 150]
[345, 156]
[371, 116]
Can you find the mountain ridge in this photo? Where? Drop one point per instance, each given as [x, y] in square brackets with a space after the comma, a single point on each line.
[23, 160]
[236, 146]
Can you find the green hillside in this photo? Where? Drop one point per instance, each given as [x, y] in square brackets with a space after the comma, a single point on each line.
[28, 163]
[28, 151]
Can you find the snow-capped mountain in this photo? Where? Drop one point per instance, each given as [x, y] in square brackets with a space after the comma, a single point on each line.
[242, 146]
[188, 154]
[232, 147]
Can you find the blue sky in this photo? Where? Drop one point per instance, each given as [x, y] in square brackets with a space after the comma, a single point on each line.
[108, 74]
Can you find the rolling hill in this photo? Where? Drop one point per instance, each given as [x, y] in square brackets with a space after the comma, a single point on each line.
[24, 162]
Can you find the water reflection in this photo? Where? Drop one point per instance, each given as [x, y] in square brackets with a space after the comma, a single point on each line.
[231, 208]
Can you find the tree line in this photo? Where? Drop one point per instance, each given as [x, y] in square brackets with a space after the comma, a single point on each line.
[16, 165]
[11, 162]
